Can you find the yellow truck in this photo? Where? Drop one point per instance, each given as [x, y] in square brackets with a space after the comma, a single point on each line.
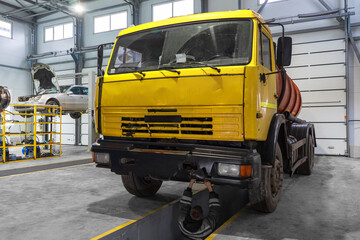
[202, 96]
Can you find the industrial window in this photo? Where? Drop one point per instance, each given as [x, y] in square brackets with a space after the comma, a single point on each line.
[59, 32]
[262, 1]
[5, 29]
[172, 9]
[110, 22]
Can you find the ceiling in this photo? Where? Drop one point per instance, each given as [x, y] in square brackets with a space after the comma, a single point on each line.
[30, 10]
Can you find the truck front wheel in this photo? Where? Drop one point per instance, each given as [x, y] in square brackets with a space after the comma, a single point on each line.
[140, 186]
[266, 197]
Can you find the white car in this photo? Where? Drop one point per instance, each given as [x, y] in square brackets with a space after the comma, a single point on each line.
[72, 98]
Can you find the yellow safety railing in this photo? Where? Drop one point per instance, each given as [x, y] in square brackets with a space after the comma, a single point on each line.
[32, 111]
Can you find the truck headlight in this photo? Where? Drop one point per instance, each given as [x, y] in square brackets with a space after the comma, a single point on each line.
[102, 158]
[234, 170]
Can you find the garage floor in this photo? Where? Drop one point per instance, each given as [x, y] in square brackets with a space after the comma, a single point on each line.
[82, 202]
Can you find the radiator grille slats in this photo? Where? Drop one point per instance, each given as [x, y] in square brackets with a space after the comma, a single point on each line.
[188, 126]
[219, 123]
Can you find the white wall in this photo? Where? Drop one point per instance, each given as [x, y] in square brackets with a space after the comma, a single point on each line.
[224, 5]
[13, 53]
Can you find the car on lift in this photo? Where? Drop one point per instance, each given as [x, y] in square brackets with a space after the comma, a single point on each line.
[72, 98]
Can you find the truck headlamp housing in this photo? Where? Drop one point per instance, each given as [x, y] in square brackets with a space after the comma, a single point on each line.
[101, 158]
[234, 170]
[229, 170]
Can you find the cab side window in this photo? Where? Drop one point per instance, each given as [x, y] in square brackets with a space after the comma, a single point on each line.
[76, 90]
[85, 91]
[265, 51]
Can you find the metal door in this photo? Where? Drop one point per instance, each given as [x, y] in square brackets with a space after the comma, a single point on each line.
[318, 69]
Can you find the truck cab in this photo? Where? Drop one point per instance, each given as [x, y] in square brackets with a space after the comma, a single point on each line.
[199, 95]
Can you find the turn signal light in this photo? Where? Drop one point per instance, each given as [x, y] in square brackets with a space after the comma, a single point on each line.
[245, 171]
[234, 170]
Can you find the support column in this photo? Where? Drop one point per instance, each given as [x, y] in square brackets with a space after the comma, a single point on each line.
[135, 10]
[204, 6]
[33, 48]
[79, 64]
[136, 13]
[347, 71]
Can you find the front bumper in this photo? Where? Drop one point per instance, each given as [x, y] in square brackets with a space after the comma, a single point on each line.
[174, 161]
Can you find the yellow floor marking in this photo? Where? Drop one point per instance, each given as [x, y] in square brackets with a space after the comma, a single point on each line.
[114, 229]
[18, 174]
[227, 223]
[141, 217]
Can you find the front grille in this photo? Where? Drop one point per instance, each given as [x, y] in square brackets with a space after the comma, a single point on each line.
[161, 124]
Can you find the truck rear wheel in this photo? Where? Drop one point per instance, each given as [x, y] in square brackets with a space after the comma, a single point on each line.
[266, 197]
[140, 186]
[306, 167]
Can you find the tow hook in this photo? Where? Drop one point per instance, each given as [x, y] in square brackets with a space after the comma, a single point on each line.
[199, 175]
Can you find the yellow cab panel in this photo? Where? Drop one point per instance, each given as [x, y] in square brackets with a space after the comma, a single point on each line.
[202, 69]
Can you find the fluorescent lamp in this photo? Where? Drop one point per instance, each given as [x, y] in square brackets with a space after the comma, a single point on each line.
[78, 8]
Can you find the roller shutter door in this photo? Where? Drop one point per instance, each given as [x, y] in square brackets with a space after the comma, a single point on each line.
[318, 68]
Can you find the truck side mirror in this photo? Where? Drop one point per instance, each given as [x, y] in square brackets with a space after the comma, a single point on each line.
[100, 56]
[284, 49]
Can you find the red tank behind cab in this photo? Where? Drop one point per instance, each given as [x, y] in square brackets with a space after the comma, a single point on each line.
[291, 101]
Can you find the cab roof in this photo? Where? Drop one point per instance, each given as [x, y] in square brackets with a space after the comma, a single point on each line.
[194, 18]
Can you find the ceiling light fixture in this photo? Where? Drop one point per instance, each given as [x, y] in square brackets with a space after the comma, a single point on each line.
[79, 8]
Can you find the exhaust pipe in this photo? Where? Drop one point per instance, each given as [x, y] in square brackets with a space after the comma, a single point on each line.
[292, 118]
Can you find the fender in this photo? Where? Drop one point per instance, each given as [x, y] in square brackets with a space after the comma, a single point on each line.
[277, 131]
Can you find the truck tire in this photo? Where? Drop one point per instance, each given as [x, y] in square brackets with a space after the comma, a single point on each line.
[306, 167]
[140, 186]
[266, 197]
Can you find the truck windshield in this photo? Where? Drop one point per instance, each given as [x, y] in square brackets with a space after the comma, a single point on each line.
[216, 43]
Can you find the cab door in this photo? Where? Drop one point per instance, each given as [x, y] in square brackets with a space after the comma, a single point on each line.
[74, 98]
[267, 105]
[84, 99]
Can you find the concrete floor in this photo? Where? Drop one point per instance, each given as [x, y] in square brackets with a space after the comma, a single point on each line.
[325, 205]
[82, 202]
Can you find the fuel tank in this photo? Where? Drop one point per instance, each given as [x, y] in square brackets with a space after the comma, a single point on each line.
[289, 95]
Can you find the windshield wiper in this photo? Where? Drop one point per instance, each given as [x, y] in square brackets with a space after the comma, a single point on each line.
[201, 63]
[140, 72]
[169, 68]
[135, 68]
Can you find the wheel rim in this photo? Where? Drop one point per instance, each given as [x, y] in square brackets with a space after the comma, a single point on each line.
[276, 177]
[147, 180]
[53, 110]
